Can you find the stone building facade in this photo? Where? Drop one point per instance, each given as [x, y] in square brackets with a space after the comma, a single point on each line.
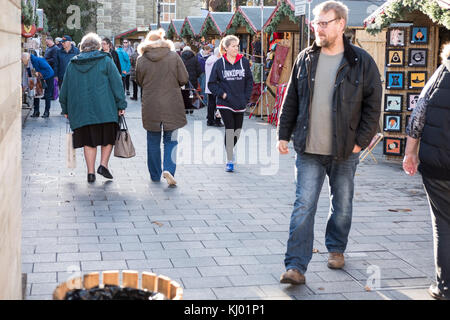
[117, 16]
[10, 151]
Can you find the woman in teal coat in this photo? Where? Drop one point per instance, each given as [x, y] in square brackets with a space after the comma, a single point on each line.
[92, 98]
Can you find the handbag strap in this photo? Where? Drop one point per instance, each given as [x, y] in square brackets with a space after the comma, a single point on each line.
[123, 123]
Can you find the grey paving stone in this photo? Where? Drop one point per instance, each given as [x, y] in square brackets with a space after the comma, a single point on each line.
[238, 293]
[85, 256]
[199, 294]
[41, 277]
[97, 247]
[123, 255]
[206, 282]
[197, 253]
[103, 265]
[193, 262]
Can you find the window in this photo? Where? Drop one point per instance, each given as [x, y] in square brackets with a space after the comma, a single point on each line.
[168, 10]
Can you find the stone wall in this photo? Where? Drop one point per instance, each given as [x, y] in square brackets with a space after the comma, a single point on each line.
[117, 16]
[10, 151]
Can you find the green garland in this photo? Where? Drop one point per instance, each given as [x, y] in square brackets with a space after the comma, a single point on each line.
[171, 32]
[238, 21]
[283, 11]
[186, 31]
[28, 16]
[397, 9]
[209, 26]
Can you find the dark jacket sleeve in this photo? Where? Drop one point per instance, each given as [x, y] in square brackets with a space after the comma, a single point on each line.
[214, 80]
[289, 107]
[50, 55]
[248, 81]
[115, 57]
[371, 104]
[56, 65]
[182, 74]
[198, 68]
[115, 82]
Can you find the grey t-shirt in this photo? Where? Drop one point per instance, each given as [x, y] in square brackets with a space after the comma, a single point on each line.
[320, 131]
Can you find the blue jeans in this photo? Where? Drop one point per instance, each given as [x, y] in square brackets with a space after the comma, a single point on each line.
[311, 170]
[48, 95]
[154, 153]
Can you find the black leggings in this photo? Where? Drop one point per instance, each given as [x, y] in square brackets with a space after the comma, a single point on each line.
[233, 124]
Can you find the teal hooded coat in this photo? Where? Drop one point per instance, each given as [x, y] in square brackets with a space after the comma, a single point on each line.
[92, 90]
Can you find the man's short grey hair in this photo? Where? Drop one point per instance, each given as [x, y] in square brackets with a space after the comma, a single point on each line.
[338, 7]
[90, 42]
[49, 38]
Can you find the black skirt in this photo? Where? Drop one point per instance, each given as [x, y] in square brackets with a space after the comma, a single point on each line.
[95, 135]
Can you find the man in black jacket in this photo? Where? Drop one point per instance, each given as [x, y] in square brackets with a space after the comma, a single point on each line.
[51, 53]
[332, 107]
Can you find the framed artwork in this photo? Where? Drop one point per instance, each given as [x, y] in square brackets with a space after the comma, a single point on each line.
[411, 100]
[396, 37]
[395, 80]
[392, 123]
[417, 57]
[419, 35]
[395, 57]
[417, 79]
[393, 146]
[393, 102]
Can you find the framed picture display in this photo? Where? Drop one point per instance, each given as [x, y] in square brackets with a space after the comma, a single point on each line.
[411, 100]
[393, 146]
[396, 37]
[419, 35]
[395, 57]
[395, 80]
[417, 79]
[417, 57]
[393, 102]
[392, 123]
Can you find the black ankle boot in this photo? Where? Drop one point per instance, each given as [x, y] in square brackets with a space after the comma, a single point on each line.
[46, 114]
[35, 114]
[104, 172]
[91, 177]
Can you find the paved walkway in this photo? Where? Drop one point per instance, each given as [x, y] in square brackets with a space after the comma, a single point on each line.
[220, 235]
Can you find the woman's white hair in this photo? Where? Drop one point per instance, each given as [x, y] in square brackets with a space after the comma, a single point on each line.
[90, 42]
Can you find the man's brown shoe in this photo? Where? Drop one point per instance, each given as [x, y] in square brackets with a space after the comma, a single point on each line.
[292, 276]
[336, 260]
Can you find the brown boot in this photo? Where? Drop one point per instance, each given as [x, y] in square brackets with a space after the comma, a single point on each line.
[292, 276]
[336, 260]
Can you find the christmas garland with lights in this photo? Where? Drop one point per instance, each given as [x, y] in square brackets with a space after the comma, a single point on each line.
[28, 16]
[239, 20]
[395, 10]
[209, 25]
[186, 31]
[171, 31]
[283, 11]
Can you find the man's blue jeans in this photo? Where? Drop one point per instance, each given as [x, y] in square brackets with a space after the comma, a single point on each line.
[154, 153]
[311, 170]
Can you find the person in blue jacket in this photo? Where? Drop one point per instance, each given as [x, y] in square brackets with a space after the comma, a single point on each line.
[124, 63]
[231, 81]
[63, 58]
[46, 72]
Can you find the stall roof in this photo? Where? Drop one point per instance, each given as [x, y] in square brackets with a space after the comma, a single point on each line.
[392, 10]
[164, 25]
[194, 24]
[176, 25]
[219, 19]
[252, 16]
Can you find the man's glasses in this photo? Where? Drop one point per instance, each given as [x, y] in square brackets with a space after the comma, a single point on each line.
[322, 24]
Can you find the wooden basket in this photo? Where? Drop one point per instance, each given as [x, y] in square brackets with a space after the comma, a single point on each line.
[130, 279]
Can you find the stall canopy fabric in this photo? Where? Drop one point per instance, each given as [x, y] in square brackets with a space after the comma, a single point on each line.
[174, 28]
[192, 26]
[393, 10]
[216, 22]
[250, 17]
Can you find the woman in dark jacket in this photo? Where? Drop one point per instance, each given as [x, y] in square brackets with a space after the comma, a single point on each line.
[92, 98]
[231, 82]
[107, 46]
[193, 66]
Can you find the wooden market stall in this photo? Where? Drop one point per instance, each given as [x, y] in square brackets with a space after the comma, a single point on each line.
[174, 29]
[190, 31]
[214, 27]
[415, 34]
[134, 35]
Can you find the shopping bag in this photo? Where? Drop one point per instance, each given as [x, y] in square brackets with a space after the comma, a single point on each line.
[123, 147]
[71, 158]
[55, 89]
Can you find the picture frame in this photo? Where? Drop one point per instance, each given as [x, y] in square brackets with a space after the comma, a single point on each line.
[393, 146]
[396, 37]
[419, 35]
[393, 102]
[417, 79]
[392, 122]
[395, 57]
[417, 57]
[411, 100]
[395, 80]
